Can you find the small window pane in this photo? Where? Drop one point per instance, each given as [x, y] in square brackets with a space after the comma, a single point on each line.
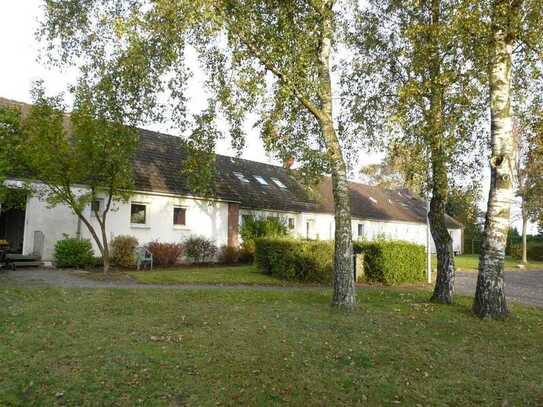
[179, 215]
[278, 183]
[241, 177]
[360, 230]
[291, 223]
[138, 214]
[95, 205]
[261, 180]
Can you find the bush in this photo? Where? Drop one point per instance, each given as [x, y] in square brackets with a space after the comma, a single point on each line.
[229, 255]
[534, 251]
[300, 260]
[254, 228]
[200, 249]
[165, 254]
[123, 250]
[392, 261]
[73, 252]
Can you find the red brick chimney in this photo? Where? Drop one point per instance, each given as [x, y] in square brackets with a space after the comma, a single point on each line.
[288, 162]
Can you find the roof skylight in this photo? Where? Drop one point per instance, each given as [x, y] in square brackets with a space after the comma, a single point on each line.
[261, 180]
[278, 183]
[241, 177]
[373, 199]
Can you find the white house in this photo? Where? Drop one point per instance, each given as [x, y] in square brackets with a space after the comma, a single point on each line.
[164, 208]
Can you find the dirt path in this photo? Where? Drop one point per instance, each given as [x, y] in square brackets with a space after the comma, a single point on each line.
[525, 287]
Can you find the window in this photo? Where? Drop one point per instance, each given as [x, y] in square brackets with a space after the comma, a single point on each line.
[179, 216]
[278, 183]
[138, 214]
[360, 230]
[96, 206]
[241, 177]
[291, 223]
[261, 180]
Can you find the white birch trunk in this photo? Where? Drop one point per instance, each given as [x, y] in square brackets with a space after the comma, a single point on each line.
[490, 294]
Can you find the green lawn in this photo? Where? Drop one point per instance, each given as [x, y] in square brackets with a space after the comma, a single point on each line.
[470, 262]
[154, 347]
[246, 275]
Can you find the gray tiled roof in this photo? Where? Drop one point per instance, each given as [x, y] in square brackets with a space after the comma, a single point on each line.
[158, 164]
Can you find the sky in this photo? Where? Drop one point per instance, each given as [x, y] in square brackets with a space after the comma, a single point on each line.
[20, 68]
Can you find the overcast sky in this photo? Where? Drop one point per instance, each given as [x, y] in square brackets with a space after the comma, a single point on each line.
[20, 49]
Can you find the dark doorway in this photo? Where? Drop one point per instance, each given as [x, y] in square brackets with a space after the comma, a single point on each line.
[12, 227]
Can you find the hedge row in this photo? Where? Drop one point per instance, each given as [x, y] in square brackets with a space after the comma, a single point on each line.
[534, 251]
[387, 262]
[299, 260]
[392, 261]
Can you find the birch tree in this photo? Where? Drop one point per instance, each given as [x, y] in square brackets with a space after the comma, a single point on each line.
[513, 25]
[271, 58]
[423, 92]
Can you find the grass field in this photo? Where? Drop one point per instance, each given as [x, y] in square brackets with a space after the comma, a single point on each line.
[470, 262]
[230, 347]
[244, 275]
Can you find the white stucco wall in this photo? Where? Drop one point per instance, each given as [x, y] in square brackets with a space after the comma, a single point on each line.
[203, 218]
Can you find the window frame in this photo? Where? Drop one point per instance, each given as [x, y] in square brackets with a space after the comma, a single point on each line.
[279, 183]
[241, 177]
[360, 226]
[179, 225]
[100, 206]
[261, 180]
[291, 224]
[146, 214]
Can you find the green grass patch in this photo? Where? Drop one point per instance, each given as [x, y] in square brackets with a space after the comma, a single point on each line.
[231, 347]
[244, 275]
[470, 262]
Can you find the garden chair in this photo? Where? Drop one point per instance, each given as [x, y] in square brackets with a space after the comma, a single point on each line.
[143, 257]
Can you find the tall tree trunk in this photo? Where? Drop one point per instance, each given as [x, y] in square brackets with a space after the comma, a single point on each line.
[490, 295]
[344, 284]
[444, 287]
[524, 233]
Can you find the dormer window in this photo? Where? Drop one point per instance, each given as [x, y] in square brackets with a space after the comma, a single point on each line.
[241, 177]
[278, 183]
[261, 180]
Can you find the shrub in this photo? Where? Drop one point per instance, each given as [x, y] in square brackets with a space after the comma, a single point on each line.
[300, 260]
[165, 254]
[392, 261]
[200, 249]
[73, 252]
[254, 228]
[534, 251]
[123, 250]
[229, 255]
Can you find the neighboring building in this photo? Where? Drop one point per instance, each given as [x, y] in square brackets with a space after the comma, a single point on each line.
[163, 207]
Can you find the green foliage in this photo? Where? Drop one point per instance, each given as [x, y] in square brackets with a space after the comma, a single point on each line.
[254, 227]
[463, 205]
[296, 260]
[123, 250]
[534, 251]
[199, 249]
[165, 254]
[229, 255]
[73, 252]
[10, 133]
[392, 262]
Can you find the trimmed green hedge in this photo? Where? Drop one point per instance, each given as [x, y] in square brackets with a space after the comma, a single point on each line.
[300, 260]
[387, 262]
[392, 261]
[534, 251]
[74, 252]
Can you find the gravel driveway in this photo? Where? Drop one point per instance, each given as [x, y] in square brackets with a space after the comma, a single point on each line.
[521, 286]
